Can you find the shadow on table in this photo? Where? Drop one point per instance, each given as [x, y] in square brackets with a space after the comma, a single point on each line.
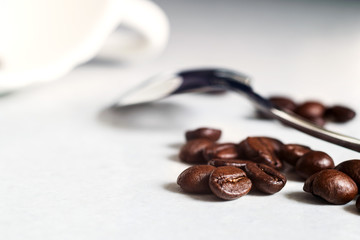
[157, 116]
[291, 175]
[174, 188]
[255, 192]
[176, 145]
[174, 158]
[102, 62]
[306, 198]
[351, 208]
[6, 94]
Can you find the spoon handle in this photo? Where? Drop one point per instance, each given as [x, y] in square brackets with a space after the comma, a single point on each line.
[307, 127]
[292, 119]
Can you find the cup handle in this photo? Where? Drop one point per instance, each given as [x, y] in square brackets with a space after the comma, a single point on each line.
[149, 38]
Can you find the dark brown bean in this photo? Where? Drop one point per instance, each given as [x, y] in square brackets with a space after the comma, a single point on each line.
[310, 110]
[208, 133]
[261, 150]
[319, 121]
[229, 183]
[291, 153]
[221, 150]
[339, 114]
[274, 143]
[195, 179]
[283, 102]
[264, 178]
[229, 162]
[332, 185]
[352, 169]
[358, 203]
[192, 151]
[308, 184]
[312, 162]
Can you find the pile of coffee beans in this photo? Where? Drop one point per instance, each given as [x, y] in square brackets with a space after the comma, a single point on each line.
[314, 111]
[231, 170]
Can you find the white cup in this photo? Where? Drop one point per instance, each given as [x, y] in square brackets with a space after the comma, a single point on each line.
[42, 40]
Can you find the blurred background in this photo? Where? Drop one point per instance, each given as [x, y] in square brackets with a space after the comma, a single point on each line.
[290, 42]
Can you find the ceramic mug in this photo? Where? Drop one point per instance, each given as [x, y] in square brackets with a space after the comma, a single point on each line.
[42, 40]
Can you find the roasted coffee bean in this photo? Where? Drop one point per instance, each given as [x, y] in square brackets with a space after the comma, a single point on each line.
[312, 162]
[283, 103]
[352, 169]
[229, 183]
[208, 133]
[261, 150]
[221, 150]
[290, 153]
[313, 111]
[319, 121]
[339, 114]
[358, 203]
[264, 178]
[275, 143]
[310, 110]
[195, 179]
[332, 185]
[229, 162]
[228, 153]
[192, 151]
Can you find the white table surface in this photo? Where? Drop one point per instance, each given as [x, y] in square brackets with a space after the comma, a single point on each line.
[70, 168]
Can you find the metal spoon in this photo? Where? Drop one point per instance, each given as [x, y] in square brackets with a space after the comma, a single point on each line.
[199, 80]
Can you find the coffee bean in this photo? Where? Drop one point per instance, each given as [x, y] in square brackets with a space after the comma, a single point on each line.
[310, 110]
[352, 169]
[221, 150]
[228, 153]
[229, 162]
[291, 153]
[229, 183]
[319, 121]
[312, 162]
[208, 133]
[264, 178]
[192, 151]
[339, 114]
[261, 150]
[195, 179]
[332, 185]
[313, 111]
[283, 103]
[275, 143]
[358, 203]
